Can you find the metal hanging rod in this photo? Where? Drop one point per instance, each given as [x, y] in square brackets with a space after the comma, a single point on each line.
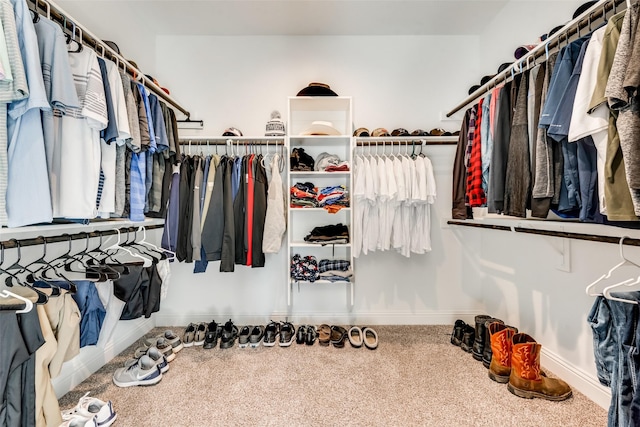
[407, 140]
[571, 31]
[229, 140]
[54, 12]
[14, 243]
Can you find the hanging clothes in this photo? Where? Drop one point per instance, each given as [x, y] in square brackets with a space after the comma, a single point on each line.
[275, 223]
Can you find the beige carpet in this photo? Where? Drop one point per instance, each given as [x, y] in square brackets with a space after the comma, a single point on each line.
[414, 378]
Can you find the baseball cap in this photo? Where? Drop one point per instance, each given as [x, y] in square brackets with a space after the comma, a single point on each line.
[317, 89]
[232, 132]
[361, 132]
[378, 132]
[420, 132]
[400, 132]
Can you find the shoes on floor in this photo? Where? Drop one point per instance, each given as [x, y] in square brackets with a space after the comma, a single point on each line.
[154, 354]
[301, 334]
[90, 411]
[229, 335]
[79, 421]
[243, 336]
[324, 335]
[201, 331]
[256, 336]
[143, 373]
[468, 338]
[287, 334]
[271, 334]
[189, 335]
[214, 330]
[166, 349]
[355, 337]
[311, 335]
[456, 334]
[338, 336]
[169, 336]
[480, 334]
[370, 338]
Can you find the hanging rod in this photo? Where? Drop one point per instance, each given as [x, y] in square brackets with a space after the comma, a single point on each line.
[224, 140]
[571, 31]
[563, 234]
[407, 140]
[13, 243]
[68, 23]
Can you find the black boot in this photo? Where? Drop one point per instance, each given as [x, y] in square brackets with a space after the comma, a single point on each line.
[456, 335]
[479, 343]
[468, 336]
[487, 353]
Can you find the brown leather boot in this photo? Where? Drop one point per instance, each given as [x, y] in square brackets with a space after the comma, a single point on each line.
[500, 367]
[526, 380]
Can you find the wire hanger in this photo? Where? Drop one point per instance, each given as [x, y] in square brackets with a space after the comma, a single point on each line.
[590, 289]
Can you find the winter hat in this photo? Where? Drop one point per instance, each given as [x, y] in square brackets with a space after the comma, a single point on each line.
[232, 132]
[275, 126]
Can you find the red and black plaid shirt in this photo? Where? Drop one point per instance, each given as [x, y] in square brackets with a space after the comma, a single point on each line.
[475, 194]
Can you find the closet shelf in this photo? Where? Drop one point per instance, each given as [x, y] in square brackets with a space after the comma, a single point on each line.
[319, 140]
[406, 140]
[316, 245]
[320, 282]
[315, 210]
[318, 173]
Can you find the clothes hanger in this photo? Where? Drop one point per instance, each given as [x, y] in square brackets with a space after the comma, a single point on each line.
[156, 253]
[39, 297]
[28, 305]
[590, 289]
[33, 276]
[157, 249]
[118, 247]
[103, 262]
[92, 268]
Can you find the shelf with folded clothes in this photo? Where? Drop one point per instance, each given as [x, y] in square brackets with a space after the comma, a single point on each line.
[310, 209]
[322, 282]
[318, 245]
[304, 174]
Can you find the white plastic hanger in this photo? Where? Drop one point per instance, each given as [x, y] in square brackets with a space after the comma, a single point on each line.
[171, 255]
[625, 261]
[117, 247]
[28, 304]
[627, 283]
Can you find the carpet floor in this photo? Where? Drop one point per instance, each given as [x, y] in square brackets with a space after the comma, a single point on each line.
[414, 378]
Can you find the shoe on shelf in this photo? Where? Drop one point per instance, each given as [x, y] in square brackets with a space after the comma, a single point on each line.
[189, 335]
[154, 354]
[301, 334]
[287, 333]
[338, 336]
[324, 335]
[201, 331]
[213, 333]
[311, 335]
[143, 373]
[92, 408]
[270, 334]
[166, 349]
[355, 337]
[243, 336]
[229, 335]
[370, 338]
[257, 334]
[456, 334]
[79, 421]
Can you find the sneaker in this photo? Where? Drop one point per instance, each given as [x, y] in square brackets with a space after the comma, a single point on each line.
[154, 354]
[91, 409]
[301, 335]
[201, 331]
[257, 333]
[166, 349]
[189, 335]
[287, 334]
[79, 421]
[243, 337]
[174, 340]
[229, 334]
[213, 333]
[145, 372]
[270, 334]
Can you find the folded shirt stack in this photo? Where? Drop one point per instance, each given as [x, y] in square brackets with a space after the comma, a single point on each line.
[335, 270]
[304, 268]
[333, 195]
[330, 163]
[304, 195]
[328, 234]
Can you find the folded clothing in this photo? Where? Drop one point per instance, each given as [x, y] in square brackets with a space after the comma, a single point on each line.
[332, 195]
[333, 264]
[303, 194]
[338, 233]
[329, 162]
[301, 161]
[304, 268]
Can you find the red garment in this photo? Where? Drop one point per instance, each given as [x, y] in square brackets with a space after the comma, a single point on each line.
[475, 192]
[250, 185]
[333, 168]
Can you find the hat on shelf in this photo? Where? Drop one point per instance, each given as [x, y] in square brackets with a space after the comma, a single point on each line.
[486, 79]
[504, 66]
[439, 132]
[420, 132]
[583, 8]
[112, 45]
[275, 126]
[361, 132]
[555, 30]
[378, 132]
[320, 127]
[317, 89]
[232, 132]
[400, 132]
[473, 89]
[523, 50]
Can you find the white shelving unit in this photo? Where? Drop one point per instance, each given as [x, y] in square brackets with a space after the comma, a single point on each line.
[302, 111]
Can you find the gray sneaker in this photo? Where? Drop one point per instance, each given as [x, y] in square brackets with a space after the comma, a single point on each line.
[154, 354]
[145, 372]
[166, 349]
[169, 336]
[189, 335]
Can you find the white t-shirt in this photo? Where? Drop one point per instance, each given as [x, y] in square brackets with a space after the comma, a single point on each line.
[401, 195]
[391, 203]
[358, 195]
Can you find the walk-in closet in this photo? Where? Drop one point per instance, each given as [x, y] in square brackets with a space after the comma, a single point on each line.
[319, 213]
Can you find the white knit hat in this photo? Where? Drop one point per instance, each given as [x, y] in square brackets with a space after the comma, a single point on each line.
[275, 126]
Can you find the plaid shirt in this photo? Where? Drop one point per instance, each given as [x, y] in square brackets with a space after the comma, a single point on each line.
[475, 193]
[333, 264]
[471, 130]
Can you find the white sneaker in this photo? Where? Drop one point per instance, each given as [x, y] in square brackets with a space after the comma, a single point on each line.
[154, 354]
[145, 372]
[78, 421]
[91, 408]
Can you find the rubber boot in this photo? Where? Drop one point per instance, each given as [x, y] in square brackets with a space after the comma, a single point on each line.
[526, 379]
[456, 334]
[500, 366]
[468, 337]
[478, 344]
[486, 354]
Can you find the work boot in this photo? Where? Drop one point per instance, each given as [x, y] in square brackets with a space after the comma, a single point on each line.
[500, 366]
[486, 354]
[526, 379]
[468, 336]
[479, 342]
[456, 334]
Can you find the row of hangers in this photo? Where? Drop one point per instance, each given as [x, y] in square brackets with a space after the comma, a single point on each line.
[605, 287]
[43, 278]
[232, 149]
[392, 144]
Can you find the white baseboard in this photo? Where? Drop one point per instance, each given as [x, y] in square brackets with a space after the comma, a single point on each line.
[92, 358]
[342, 318]
[577, 378]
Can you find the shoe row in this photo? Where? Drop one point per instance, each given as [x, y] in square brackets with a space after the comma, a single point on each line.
[337, 336]
[511, 358]
[89, 412]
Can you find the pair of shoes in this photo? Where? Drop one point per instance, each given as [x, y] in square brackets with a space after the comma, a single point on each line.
[338, 336]
[154, 354]
[170, 337]
[229, 335]
[160, 343]
[250, 336]
[287, 334]
[144, 372]
[324, 335]
[194, 334]
[283, 332]
[359, 336]
[516, 361]
[214, 331]
[90, 411]
[307, 334]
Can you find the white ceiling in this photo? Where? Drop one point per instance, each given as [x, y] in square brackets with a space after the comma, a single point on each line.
[287, 17]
